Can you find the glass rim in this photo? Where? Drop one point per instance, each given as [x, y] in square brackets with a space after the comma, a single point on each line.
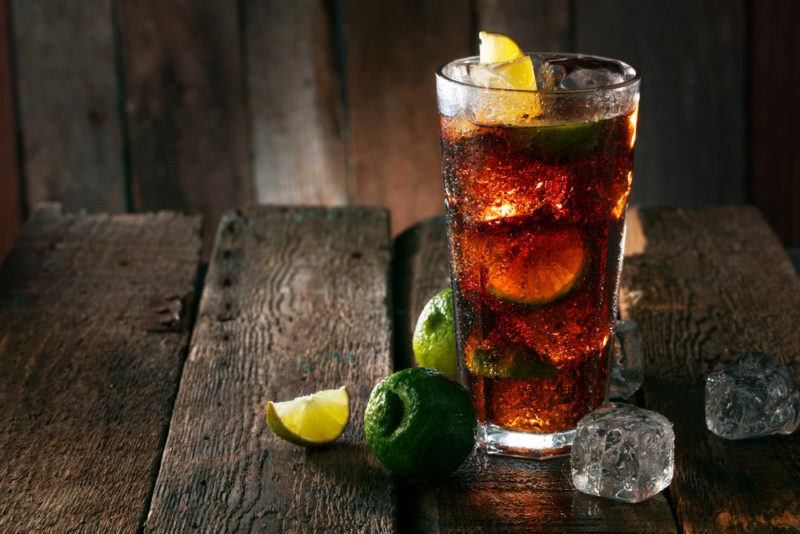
[611, 87]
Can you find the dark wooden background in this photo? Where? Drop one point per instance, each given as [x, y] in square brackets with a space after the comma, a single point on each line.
[205, 105]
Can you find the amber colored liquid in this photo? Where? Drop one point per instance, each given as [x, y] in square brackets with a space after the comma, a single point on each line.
[535, 230]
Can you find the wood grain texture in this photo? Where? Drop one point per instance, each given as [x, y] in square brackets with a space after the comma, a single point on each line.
[493, 494]
[68, 104]
[186, 107]
[536, 25]
[774, 77]
[85, 391]
[296, 300]
[713, 283]
[295, 102]
[10, 198]
[691, 53]
[393, 50]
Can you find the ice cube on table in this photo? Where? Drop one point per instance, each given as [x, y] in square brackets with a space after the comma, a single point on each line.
[623, 452]
[626, 374]
[753, 396]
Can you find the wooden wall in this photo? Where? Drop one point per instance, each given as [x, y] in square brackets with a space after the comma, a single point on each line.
[11, 205]
[205, 105]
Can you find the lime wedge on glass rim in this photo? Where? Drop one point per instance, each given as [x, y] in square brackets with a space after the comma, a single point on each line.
[503, 65]
[504, 58]
[310, 420]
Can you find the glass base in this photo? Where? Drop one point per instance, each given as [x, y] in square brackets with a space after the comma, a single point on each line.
[493, 439]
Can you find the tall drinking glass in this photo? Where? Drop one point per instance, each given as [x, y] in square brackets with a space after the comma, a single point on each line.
[536, 187]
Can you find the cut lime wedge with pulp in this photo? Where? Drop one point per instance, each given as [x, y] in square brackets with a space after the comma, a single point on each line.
[310, 420]
[498, 48]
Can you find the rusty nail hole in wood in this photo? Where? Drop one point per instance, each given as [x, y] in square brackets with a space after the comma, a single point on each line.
[164, 314]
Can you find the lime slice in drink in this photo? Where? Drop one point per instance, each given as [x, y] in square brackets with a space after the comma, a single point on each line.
[562, 142]
[506, 362]
[537, 268]
[310, 420]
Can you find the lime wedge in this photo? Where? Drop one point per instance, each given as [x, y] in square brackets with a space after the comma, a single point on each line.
[498, 48]
[503, 65]
[504, 58]
[310, 420]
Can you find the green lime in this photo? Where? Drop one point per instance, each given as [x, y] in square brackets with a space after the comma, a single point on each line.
[419, 423]
[434, 340]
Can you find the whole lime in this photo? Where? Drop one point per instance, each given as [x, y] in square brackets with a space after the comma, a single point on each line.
[419, 423]
[434, 340]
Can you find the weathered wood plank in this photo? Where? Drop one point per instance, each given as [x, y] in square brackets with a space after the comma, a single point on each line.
[492, 494]
[773, 80]
[86, 392]
[296, 300]
[536, 25]
[393, 50]
[68, 104]
[186, 107]
[712, 283]
[691, 53]
[10, 198]
[295, 102]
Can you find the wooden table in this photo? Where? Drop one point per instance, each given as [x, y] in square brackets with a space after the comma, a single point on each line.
[133, 384]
